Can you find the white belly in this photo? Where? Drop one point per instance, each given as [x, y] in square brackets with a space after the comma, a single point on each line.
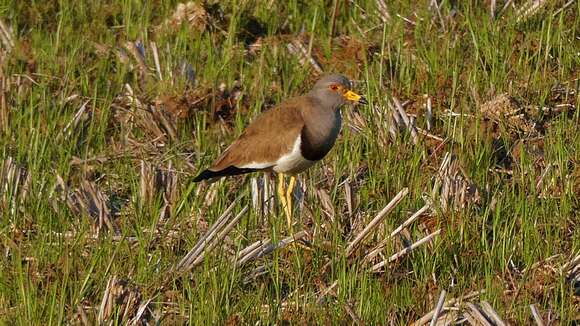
[293, 162]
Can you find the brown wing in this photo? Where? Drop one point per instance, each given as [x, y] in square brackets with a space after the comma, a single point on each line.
[267, 138]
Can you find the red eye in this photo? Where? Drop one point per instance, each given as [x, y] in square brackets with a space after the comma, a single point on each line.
[334, 87]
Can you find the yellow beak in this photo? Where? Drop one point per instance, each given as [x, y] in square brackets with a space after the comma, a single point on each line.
[354, 97]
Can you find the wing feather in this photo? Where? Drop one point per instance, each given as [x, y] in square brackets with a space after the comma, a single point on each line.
[266, 139]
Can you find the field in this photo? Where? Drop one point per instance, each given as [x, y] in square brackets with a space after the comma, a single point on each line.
[109, 109]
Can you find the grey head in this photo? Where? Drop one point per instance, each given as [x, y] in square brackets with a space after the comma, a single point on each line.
[335, 90]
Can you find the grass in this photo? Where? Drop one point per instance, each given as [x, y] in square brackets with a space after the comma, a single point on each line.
[54, 268]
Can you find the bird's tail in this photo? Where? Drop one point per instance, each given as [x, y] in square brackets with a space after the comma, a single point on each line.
[230, 170]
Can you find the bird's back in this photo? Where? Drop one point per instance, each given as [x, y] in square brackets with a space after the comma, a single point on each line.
[269, 136]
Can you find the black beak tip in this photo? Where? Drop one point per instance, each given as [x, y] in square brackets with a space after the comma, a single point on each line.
[363, 100]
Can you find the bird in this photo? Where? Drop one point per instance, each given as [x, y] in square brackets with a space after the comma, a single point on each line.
[288, 138]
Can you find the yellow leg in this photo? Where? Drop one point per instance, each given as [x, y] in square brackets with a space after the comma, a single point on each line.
[286, 202]
[289, 206]
[281, 192]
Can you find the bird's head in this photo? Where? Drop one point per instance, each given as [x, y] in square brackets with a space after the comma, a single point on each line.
[336, 90]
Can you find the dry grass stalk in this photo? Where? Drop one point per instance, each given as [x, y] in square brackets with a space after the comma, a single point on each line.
[506, 5]
[477, 314]
[536, 314]
[438, 308]
[429, 114]
[255, 192]
[137, 50]
[7, 42]
[386, 130]
[377, 267]
[353, 315]
[539, 184]
[326, 203]
[191, 13]
[355, 121]
[154, 180]
[142, 313]
[429, 135]
[378, 248]
[6, 36]
[123, 304]
[90, 201]
[572, 265]
[255, 273]
[571, 270]
[433, 5]
[456, 312]
[262, 190]
[453, 189]
[298, 49]
[157, 124]
[269, 202]
[133, 54]
[376, 221]
[82, 316]
[411, 219]
[449, 303]
[450, 317]
[529, 9]
[349, 197]
[15, 182]
[4, 93]
[471, 320]
[395, 124]
[210, 195]
[406, 120]
[543, 263]
[406, 19]
[326, 292]
[399, 121]
[566, 5]
[73, 124]
[250, 251]
[221, 235]
[383, 11]
[261, 248]
[187, 262]
[153, 46]
[492, 314]
[335, 13]
[93, 238]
